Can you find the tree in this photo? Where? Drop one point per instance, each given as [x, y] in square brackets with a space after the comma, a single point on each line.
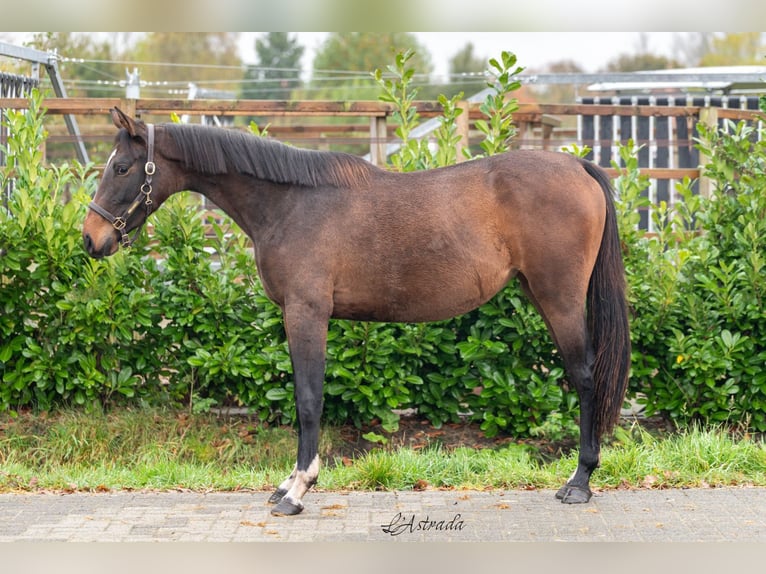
[343, 64]
[87, 62]
[639, 62]
[277, 71]
[736, 49]
[464, 61]
[692, 47]
[209, 59]
[465, 72]
[558, 93]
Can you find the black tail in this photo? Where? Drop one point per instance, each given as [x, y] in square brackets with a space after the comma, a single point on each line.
[608, 316]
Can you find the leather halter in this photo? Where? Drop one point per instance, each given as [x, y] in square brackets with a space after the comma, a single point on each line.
[144, 195]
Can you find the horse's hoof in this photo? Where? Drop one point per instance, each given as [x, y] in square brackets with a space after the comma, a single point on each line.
[569, 494]
[287, 507]
[277, 495]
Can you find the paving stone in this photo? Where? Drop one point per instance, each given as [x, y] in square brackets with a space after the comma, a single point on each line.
[720, 514]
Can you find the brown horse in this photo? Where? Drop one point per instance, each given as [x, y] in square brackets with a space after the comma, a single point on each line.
[335, 236]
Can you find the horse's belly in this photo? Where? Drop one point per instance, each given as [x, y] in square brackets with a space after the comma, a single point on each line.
[417, 299]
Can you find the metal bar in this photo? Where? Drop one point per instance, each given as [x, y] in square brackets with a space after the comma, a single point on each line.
[58, 88]
[23, 53]
[749, 77]
[50, 61]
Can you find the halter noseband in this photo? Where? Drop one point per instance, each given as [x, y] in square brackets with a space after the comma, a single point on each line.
[144, 195]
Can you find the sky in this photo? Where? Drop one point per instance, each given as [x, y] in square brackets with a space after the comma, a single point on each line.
[592, 50]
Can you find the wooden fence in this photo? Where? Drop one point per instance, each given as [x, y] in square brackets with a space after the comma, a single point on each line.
[298, 121]
[368, 127]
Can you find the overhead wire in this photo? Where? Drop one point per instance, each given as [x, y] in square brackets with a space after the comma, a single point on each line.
[352, 80]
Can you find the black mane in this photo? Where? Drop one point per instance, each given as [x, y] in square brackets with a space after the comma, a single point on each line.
[215, 151]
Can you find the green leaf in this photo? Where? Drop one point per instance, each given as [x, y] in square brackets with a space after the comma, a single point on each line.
[276, 394]
[375, 438]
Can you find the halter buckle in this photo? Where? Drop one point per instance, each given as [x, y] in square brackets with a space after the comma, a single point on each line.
[150, 168]
[125, 240]
[119, 223]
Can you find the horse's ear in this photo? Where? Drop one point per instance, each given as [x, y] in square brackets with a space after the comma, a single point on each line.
[121, 120]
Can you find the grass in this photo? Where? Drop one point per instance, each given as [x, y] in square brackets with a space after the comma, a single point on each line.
[137, 449]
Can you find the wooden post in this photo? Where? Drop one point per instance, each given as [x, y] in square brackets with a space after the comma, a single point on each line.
[523, 128]
[709, 117]
[378, 140]
[463, 129]
[548, 124]
[128, 106]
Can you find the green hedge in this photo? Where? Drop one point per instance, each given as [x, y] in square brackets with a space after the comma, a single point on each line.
[182, 320]
[698, 290]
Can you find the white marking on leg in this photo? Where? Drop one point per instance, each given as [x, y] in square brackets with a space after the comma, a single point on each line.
[288, 482]
[302, 481]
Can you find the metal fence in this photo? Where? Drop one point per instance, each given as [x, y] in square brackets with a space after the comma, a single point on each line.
[11, 86]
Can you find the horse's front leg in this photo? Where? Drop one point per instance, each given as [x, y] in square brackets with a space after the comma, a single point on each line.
[306, 328]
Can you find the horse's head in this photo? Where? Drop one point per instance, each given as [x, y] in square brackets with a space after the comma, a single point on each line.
[130, 188]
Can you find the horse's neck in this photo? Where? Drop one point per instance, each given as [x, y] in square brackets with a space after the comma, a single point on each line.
[243, 198]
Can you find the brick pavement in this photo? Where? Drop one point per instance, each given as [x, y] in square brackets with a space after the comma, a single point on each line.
[703, 515]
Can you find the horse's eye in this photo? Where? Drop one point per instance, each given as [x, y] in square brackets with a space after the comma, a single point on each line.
[121, 169]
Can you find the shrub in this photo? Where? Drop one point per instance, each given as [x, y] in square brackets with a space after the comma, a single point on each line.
[70, 330]
[181, 319]
[697, 289]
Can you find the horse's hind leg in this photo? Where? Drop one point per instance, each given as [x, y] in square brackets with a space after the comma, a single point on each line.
[564, 314]
[579, 366]
[307, 338]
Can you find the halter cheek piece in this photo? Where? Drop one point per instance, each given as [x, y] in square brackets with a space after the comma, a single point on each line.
[144, 196]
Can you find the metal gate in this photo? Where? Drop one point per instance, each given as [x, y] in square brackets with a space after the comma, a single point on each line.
[11, 86]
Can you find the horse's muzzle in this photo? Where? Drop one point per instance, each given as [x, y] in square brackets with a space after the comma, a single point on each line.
[107, 248]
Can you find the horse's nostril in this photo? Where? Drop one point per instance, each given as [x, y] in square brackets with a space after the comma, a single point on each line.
[90, 245]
